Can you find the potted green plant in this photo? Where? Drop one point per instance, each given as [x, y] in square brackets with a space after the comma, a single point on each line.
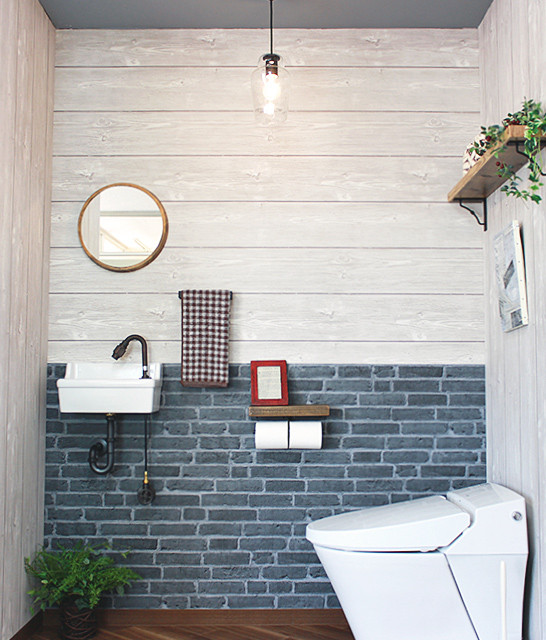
[75, 579]
[533, 117]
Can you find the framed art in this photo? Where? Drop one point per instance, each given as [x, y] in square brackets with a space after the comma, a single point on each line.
[268, 382]
[510, 273]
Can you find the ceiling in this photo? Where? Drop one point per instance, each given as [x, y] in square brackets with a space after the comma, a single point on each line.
[228, 14]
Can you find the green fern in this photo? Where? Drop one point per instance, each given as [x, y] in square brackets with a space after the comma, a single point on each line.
[79, 576]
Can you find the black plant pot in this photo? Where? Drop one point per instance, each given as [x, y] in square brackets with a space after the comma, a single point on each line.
[77, 624]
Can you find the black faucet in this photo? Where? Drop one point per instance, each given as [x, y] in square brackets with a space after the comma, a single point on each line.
[121, 348]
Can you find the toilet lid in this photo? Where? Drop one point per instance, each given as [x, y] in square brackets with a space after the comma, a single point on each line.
[418, 525]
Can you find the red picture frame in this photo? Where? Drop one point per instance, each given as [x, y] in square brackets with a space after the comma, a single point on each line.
[268, 382]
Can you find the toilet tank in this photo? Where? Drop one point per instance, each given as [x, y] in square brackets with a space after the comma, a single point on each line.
[498, 521]
[488, 560]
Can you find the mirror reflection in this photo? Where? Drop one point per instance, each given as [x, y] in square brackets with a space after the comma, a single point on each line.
[123, 227]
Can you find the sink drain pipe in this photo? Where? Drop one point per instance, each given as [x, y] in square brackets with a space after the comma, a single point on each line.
[103, 448]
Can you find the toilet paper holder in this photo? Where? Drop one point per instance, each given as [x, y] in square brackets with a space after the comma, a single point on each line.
[301, 434]
[305, 434]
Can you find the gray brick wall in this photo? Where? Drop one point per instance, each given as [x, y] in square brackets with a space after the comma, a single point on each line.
[227, 528]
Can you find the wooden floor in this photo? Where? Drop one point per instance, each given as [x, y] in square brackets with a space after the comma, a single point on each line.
[218, 632]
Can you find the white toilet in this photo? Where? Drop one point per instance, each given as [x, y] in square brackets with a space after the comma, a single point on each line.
[432, 568]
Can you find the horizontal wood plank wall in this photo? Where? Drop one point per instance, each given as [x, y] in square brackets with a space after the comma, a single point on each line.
[512, 68]
[332, 229]
[27, 46]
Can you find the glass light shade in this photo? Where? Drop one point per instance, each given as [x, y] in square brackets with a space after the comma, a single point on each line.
[269, 83]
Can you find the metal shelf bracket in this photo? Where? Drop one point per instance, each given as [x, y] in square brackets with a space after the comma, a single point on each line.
[521, 153]
[483, 221]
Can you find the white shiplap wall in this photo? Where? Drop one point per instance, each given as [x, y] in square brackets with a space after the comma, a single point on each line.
[27, 48]
[513, 57]
[332, 229]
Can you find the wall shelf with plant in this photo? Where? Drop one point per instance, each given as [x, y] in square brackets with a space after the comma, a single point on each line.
[500, 152]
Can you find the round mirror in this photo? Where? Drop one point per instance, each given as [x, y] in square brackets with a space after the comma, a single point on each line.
[123, 227]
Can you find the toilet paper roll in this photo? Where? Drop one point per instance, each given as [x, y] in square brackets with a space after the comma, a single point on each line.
[305, 435]
[271, 435]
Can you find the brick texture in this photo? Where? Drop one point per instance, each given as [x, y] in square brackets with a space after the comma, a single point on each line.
[227, 528]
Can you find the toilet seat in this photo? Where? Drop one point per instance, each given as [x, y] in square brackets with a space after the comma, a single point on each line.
[469, 586]
[425, 524]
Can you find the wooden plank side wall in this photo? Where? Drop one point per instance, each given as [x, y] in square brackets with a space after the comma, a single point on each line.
[332, 229]
[512, 68]
[27, 42]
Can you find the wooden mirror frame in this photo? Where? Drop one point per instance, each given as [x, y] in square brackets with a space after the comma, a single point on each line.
[152, 255]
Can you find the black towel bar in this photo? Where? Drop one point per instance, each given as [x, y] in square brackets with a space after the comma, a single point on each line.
[181, 292]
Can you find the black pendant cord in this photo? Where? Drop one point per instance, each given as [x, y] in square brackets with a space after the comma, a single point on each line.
[270, 27]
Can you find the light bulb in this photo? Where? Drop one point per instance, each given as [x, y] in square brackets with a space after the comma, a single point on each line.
[270, 90]
[272, 87]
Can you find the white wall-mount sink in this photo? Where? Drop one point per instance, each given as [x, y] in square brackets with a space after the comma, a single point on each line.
[116, 387]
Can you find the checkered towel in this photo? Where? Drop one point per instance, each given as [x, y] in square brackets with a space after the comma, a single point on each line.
[205, 335]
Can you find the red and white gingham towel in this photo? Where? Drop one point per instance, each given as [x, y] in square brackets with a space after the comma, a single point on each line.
[205, 337]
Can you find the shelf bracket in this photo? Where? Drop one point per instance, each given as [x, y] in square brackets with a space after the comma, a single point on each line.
[521, 153]
[483, 221]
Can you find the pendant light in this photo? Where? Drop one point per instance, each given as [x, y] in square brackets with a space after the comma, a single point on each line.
[270, 84]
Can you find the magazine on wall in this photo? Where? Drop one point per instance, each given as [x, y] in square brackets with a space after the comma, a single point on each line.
[510, 274]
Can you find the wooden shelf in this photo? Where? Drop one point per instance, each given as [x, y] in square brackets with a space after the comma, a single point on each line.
[290, 411]
[481, 180]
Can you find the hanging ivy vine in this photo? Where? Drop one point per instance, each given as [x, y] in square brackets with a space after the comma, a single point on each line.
[533, 117]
